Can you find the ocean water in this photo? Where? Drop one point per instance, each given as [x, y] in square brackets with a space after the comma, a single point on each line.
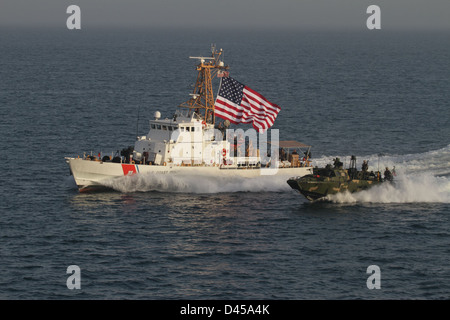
[382, 96]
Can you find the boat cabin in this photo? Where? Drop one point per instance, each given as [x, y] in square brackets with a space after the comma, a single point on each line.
[182, 140]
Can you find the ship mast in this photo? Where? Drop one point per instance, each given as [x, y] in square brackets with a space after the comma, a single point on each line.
[202, 98]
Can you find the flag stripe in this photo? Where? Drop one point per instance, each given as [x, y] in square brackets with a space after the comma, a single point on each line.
[260, 99]
[256, 106]
[240, 104]
[246, 114]
[258, 113]
[265, 116]
[240, 117]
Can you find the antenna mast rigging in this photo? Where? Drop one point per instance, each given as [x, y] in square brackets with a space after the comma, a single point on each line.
[202, 98]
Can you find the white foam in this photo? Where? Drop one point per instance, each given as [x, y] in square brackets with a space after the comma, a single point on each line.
[410, 188]
[436, 162]
[422, 177]
[197, 184]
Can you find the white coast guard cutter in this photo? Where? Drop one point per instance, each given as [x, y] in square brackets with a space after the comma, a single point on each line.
[191, 143]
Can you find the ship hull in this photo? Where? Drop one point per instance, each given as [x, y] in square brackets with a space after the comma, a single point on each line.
[317, 190]
[92, 175]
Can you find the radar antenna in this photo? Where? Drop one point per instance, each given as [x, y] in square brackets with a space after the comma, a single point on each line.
[202, 98]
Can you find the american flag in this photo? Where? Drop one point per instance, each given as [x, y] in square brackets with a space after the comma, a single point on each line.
[240, 104]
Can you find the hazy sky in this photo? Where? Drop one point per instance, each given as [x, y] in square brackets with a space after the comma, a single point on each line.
[241, 14]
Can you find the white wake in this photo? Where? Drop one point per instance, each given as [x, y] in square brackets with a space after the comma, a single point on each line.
[180, 183]
[423, 177]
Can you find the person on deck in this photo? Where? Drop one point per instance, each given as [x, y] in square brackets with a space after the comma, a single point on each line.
[365, 166]
[387, 175]
[338, 164]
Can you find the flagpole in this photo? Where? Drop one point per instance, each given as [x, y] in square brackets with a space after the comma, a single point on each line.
[218, 90]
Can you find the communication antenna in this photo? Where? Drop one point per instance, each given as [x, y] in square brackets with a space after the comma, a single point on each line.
[202, 98]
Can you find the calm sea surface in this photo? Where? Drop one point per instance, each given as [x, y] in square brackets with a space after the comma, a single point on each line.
[381, 96]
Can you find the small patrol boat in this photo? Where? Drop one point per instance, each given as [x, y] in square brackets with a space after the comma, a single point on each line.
[335, 179]
[193, 142]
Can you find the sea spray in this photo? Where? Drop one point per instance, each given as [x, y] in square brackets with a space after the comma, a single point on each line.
[435, 162]
[411, 188]
[421, 177]
[181, 183]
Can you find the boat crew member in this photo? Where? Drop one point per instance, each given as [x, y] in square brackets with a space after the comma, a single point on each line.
[364, 170]
[234, 145]
[387, 175]
[365, 166]
[282, 154]
[338, 163]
